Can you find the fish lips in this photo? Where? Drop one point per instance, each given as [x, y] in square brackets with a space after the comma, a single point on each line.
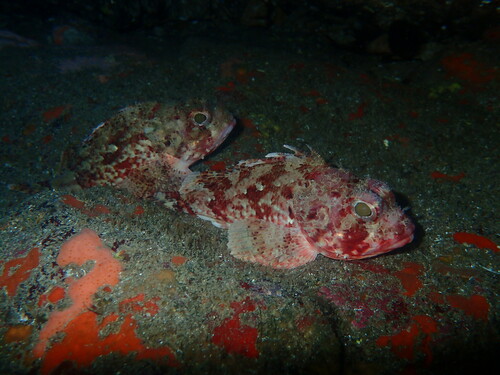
[223, 135]
[399, 240]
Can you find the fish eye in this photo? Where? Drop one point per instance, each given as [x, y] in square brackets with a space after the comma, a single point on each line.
[200, 118]
[363, 210]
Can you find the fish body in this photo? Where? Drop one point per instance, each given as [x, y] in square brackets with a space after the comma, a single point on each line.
[284, 210]
[9, 38]
[149, 146]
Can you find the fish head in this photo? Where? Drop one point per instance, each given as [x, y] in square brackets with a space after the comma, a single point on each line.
[354, 219]
[202, 127]
[151, 139]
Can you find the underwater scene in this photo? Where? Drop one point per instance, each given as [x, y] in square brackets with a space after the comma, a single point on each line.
[249, 187]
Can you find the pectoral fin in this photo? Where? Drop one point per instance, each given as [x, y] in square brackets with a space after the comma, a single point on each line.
[269, 244]
[154, 176]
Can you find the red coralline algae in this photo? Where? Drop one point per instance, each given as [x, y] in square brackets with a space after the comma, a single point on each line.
[477, 240]
[244, 76]
[439, 176]
[179, 260]
[139, 210]
[228, 67]
[428, 326]
[6, 139]
[403, 343]
[314, 93]
[409, 277]
[16, 271]
[47, 139]
[138, 304]
[58, 34]
[350, 301]
[304, 322]
[414, 114]
[17, 333]
[230, 86]
[359, 113]
[476, 305]
[97, 210]
[82, 344]
[304, 109]
[367, 304]
[56, 294]
[72, 201]
[372, 267]
[55, 113]
[235, 337]
[436, 297]
[465, 67]
[79, 249]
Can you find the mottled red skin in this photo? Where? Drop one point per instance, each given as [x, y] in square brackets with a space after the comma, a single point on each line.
[284, 210]
[149, 146]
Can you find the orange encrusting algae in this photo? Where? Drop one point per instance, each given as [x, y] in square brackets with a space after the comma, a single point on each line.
[22, 270]
[83, 345]
[80, 249]
[82, 342]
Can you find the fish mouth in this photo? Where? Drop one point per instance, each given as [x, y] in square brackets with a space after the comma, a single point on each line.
[397, 242]
[203, 149]
[404, 238]
[402, 241]
[223, 135]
